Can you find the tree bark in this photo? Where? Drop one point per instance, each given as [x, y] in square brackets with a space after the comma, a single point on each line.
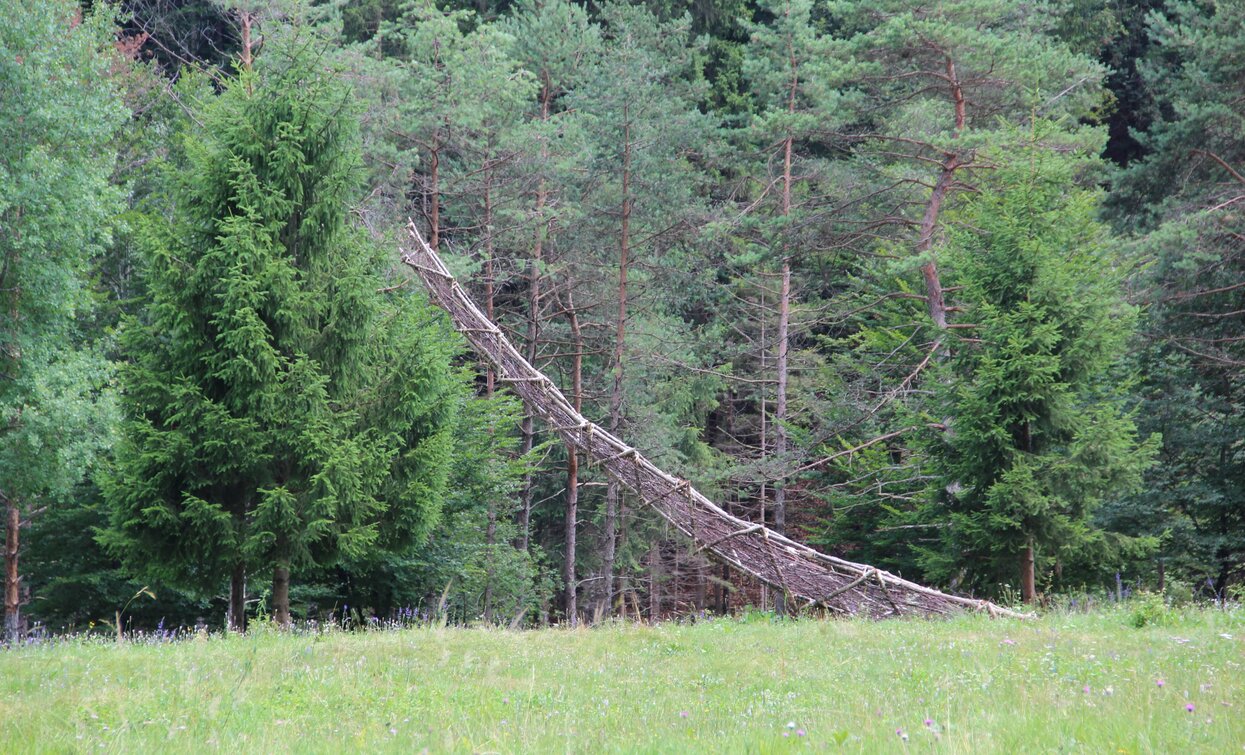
[281, 595]
[613, 490]
[527, 428]
[929, 224]
[434, 199]
[654, 582]
[12, 581]
[780, 414]
[237, 598]
[572, 467]
[490, 385]
[1028, 582]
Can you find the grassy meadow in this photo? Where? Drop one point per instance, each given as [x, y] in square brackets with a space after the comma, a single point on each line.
[1062, 683]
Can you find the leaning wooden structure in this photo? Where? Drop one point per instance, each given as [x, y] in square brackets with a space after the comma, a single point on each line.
[816, 579]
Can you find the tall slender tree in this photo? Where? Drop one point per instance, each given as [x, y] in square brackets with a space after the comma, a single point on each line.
[640, 100]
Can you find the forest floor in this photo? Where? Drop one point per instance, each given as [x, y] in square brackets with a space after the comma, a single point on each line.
[1065, 682]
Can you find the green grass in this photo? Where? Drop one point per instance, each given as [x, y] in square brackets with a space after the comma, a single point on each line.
[1064, 683]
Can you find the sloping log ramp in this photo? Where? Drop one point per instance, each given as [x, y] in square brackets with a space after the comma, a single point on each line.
[838, 586]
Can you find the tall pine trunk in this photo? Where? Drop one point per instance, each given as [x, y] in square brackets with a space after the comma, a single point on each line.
[527, 428]
[490, 385]
[572, 466]
[933, 208]
[780, 414]
[613, 490]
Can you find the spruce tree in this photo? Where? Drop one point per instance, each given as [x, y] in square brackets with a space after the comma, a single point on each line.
[282, 413]
[1036, 435]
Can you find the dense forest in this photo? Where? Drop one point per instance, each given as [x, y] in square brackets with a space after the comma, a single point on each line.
[956, 289]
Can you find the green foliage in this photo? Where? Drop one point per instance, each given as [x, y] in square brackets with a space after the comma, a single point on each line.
[1036, 435]
[1149, 610]
[1194, 386]
[59, 111]
[281, 411]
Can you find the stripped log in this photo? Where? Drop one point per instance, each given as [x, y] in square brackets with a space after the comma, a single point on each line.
[819, 580]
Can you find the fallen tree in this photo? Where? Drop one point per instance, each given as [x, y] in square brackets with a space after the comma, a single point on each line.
[816, 579]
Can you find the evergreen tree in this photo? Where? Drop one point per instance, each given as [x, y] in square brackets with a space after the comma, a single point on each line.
[282, 413]
[1037, 437]
[1184, 203]
[639, 98]
[59, 111]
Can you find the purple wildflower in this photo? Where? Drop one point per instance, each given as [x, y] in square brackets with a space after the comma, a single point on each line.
[1189, 707]
[929, 722]
[682, 714]
[799, 732]
[1160, 682]
[1085, 689]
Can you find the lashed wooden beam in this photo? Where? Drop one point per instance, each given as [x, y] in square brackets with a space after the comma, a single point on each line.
[838, 585]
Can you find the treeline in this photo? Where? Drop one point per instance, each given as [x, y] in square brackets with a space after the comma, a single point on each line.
[956, 290]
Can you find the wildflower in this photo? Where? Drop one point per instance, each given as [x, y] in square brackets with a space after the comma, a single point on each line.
[1189, 707]
[929, 722]
[786, 733]
[791, 724]
[1085, 689]
[1160, 683]
[1008, 641]
[799, 732]
[682, 714]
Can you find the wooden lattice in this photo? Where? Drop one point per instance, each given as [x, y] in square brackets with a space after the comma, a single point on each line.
[835, 584]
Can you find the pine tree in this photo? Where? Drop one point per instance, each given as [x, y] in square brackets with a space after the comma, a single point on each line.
[1037, 438]
[59, 111]
[640, 103]
[282, 413]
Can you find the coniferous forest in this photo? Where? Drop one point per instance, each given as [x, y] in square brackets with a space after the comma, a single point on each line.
[955, 289]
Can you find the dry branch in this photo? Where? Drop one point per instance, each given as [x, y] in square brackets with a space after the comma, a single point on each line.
[835, 584]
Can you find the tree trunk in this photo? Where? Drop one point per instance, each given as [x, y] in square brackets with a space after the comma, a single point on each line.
[612, 490]
[281, 595]
[784, 342]
[237, 598]
[572, 466]
[654, 582]
[12, 582]
[490, 385]
[1028, 582]
[929, 223]
[434, 199]
[527, 428]
[780, 415]
[763, 493]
